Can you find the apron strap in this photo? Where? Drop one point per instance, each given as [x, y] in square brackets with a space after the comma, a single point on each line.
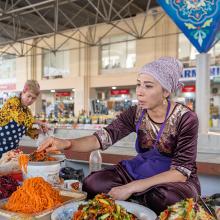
[140, 120]
[163, 125]
[161, 128]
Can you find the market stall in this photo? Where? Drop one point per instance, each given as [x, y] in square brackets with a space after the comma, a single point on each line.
[40, 186]
[32, 188]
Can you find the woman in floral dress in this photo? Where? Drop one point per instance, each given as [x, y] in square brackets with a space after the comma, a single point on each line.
[16, 118]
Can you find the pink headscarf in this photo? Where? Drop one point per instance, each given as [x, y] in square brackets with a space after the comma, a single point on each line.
[166, 70]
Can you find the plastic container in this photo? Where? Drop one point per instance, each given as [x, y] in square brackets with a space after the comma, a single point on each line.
[95, 161]
[49, 170]
[74, 185]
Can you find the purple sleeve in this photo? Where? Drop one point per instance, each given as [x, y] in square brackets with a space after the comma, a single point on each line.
[184, 156]
[123, 125]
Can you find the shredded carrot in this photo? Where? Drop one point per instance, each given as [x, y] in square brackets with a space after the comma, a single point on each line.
[35, 195]
[23, 162]
[189, 209]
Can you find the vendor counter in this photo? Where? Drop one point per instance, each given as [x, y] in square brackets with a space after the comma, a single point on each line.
[208, 158]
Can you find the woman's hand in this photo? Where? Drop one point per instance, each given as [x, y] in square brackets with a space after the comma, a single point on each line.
[54, 144]
[121, 192]
[43, 127]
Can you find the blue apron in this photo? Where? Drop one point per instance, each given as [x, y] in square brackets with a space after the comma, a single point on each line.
[151, 162]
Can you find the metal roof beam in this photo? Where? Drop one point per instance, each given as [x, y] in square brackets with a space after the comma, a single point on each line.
[137, 7]
[31, 10]
[145, 17]
[81, 9]
[29, 6]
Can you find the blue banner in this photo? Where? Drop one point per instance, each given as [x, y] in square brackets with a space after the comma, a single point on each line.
[199, 20]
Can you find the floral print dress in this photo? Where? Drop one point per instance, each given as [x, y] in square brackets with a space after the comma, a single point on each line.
[16, 120]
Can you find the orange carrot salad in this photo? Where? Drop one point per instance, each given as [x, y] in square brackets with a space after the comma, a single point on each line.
[23, 162]
[35, 195]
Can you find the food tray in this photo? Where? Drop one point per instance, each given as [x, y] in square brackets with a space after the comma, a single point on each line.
[67, 196]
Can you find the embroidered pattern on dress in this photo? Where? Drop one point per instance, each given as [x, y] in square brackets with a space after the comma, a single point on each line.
[186, 172]
[148, 129]
[104, 138]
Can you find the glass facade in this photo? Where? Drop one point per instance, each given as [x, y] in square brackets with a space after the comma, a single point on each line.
[7, 66]
[187, 52]
[118, 52]
[55, 65]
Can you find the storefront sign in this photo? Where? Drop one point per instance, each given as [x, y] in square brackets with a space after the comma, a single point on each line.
[62, 94]
[7, 87]
[120, 91]
[198, 20]
[190, 73]
[191, 88]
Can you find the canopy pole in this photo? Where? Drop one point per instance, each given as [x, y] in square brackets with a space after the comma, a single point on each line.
[203, 91]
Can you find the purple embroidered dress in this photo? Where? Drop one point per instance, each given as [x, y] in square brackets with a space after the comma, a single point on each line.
[178, 141]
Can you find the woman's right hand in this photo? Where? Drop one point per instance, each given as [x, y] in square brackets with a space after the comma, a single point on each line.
[54, 144]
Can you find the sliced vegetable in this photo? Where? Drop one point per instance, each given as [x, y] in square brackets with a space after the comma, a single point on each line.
[102, 207]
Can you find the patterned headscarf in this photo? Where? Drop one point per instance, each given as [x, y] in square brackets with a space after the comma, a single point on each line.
[166, 70]
[32, 86]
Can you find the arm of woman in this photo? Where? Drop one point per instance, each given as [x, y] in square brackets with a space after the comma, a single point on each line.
[103, 138]
[136, 186]
[29, 121]
[84, 144]
[43, 127]
[123, 125]
[183, 161]
[8, 110]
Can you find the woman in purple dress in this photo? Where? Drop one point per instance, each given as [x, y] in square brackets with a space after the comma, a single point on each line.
[164, 170]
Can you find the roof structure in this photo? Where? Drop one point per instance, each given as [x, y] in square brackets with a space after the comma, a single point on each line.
[21, 20]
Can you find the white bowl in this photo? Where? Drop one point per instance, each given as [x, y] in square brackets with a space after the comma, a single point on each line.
[49, 170]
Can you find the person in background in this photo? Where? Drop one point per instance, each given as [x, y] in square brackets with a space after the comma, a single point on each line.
[16, 119]
[164, 170]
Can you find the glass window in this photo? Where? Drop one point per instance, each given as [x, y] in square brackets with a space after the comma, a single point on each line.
[217, 49]
[187, 52]
[184, 47]
[217, 53]
[55, 65]
[118, 52]
[7, 66]
[105, 56]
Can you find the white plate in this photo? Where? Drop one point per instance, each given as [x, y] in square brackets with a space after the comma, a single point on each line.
[66, 212]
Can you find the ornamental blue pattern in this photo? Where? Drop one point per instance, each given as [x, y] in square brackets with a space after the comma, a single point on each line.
[10, 136]
[196, 11]
[198, 19]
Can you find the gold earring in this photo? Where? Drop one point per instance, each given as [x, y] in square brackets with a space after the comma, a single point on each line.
[164, 101]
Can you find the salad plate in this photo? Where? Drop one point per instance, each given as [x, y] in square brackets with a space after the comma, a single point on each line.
[66, 212]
